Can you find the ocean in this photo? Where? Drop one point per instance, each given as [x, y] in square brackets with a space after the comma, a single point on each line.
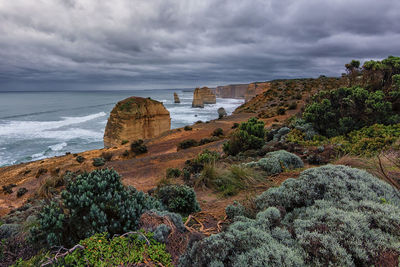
[37, 125]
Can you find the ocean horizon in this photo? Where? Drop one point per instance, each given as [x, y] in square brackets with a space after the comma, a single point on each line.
[40, 124]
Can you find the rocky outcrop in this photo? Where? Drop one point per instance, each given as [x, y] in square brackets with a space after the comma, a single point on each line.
[254, 89]
[222, 113]
[203, 96]
[136, 118]
[231, 91]
[176, 99]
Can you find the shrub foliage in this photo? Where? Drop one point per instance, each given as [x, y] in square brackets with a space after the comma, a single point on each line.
[92, 203]
[329, 216]
[250, 135]
[178, 198]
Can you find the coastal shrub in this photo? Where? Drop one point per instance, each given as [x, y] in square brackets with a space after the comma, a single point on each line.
[204, 141]
[99, 250]
[341, 111]
[22, 191]
[281, 111]
[187, 128]
[124, 142]
[107, 156]
[278, 161]
[235, 125]
[207, 157]
[292, 106]
[138, 147]
[368, 141]
[80, 159]
[92, 203]
[218, 132]
[98, 162]
[227, 182]
[250, 135]
[329, 216]
[173, 173]
[178, 198]
[187, 144]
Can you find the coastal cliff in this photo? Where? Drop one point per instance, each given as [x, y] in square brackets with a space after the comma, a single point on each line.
[203, 96]
[254, 89]
[136, 118]
[231, 91]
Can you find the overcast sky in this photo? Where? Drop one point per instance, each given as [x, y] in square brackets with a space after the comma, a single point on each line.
[128, 44]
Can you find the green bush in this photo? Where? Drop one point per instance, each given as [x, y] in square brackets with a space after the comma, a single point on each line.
[329, 216]
[98, 162]
[250, 135]
[173, 173]
[207, 157]
[138, 147]
[178, 198]
[278, 161]
[187, 144]
[99, 250]
[80, 159]
[368, 141]
[92, 203]
[187, 128]
[218, 132]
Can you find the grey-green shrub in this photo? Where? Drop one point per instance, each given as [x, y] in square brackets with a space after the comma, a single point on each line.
[178, 198]
[92, 203]
[275, 162]
[329, 216]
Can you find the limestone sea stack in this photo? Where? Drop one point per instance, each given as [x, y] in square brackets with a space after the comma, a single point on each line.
[203, 96]
[176, 99]
[136, 118]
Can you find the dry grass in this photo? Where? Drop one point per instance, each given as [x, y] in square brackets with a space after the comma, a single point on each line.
[49, 186]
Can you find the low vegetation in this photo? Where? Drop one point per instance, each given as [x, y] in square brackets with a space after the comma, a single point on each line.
[249, 135]
[309, 230]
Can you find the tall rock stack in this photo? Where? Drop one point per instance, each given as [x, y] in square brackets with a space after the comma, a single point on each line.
[203, 96]
[136, 118]
[176, 99]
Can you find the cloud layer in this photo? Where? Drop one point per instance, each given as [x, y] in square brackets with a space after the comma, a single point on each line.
[185, 43]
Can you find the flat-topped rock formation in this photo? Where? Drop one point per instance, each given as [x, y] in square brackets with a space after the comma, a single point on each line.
[203, 96]
[176, 99]
[136, 118]
[256, 88]
[231, 91]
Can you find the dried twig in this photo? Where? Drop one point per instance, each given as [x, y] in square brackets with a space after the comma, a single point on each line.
[388, 178]
[68, 251]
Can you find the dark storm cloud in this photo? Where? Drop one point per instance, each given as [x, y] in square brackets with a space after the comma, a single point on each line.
[162, 43]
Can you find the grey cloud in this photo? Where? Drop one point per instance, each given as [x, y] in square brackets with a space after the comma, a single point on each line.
[186, 43]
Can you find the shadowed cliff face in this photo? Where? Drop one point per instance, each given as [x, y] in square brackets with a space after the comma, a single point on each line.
[136, 118]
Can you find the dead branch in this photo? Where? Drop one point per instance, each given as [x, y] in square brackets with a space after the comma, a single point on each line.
[69, 251]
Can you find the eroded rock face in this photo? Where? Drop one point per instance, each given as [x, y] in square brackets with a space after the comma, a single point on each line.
[176, 98]
[231, 91]
[254, 89]
[136, 118]
[203, 96]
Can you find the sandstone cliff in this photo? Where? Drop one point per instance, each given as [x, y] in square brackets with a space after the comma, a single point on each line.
[136, 118]
[231, 91]
[254, 89]
[176, 98]
[203, 96]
